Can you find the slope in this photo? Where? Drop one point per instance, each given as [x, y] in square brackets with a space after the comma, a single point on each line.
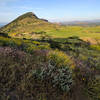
[27, 23]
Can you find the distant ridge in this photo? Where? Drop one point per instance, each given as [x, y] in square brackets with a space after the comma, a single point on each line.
[26, 23]
[82, 23]
[2, 24]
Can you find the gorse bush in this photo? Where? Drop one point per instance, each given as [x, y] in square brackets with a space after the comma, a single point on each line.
[59, 77]
[96, 47]
[25, 45]
[60, 59]
[36, 42]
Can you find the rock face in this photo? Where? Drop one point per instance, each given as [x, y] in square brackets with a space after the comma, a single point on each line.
[25, 23]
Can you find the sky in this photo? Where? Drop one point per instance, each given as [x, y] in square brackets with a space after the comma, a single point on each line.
[53, 10]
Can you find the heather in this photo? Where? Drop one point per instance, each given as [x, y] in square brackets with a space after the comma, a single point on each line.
[44, 61]
[47, 69]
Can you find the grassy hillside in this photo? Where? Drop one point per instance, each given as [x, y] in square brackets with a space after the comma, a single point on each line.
[82, 32]
[30, 26]
[26, 23]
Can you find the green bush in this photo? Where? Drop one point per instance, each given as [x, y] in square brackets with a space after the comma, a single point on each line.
[25, 45]
[59, 77]
[4, 35]
[54, 44]
[93, 89]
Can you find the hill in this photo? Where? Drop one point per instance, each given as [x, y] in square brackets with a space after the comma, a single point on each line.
[26, 23]
[29, 26]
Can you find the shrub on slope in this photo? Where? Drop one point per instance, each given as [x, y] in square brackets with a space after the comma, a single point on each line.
[17, 80]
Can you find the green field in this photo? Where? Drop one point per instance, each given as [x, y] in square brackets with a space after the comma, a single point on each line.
[60, 33]
[82, 32]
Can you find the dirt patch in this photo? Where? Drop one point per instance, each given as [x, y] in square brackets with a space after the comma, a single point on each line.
[91, 40]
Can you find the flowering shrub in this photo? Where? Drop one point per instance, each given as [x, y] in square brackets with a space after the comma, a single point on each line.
[96, 47]
[59, 77]
[16, 76]
[60, 59]
[25, 45]
[36, 42]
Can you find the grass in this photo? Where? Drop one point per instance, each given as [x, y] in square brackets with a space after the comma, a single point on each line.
[61, 32]
[82, 32]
